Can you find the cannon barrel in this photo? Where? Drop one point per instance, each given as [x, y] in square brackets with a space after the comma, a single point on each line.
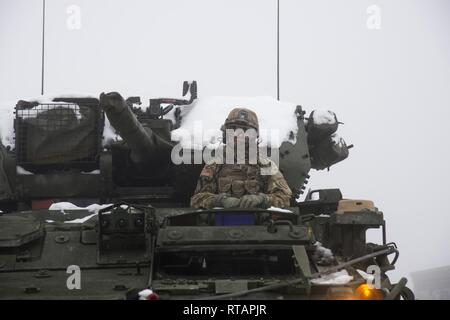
[145, 145]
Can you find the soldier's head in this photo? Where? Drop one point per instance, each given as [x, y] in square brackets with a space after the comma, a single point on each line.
[241, 118]
[241, 128]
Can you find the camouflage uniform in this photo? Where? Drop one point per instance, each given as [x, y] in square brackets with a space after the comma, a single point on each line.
[238, 180]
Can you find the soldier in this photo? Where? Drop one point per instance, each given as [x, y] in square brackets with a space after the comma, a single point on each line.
[237, 184]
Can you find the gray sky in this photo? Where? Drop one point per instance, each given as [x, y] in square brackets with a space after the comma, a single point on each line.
[390, 86]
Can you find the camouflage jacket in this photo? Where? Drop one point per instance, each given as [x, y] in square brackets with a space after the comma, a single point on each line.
[240, 179]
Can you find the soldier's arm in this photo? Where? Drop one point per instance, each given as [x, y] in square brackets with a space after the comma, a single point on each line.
[206, 190]
[278, 191]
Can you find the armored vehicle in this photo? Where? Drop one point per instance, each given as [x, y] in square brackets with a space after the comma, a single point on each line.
[85, 216]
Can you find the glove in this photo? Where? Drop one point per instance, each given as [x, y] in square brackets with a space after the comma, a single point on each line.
[254, 201]
[217, 202]
[225, 201]
[231, 202]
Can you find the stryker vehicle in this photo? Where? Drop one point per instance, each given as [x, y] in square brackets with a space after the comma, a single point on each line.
[145, 236]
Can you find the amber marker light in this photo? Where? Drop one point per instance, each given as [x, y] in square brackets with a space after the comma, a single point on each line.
[364, 292]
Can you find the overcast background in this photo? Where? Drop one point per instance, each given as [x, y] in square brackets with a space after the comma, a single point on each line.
[390, 86]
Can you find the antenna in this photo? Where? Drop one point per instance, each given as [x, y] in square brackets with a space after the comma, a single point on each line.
[43, 46]
[278, 49]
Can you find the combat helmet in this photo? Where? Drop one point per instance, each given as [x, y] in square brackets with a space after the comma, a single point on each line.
[243, 118]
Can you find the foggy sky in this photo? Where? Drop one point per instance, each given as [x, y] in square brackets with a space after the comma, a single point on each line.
[391, 87]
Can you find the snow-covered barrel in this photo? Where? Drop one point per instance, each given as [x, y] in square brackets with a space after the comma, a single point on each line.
[146, 146]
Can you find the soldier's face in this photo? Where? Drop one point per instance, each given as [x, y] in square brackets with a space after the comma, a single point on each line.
[240, 135]
[241, 144]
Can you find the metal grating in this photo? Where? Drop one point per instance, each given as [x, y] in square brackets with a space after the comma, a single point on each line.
[57, 133]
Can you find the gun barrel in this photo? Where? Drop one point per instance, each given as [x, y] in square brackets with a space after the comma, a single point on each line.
[145, 145]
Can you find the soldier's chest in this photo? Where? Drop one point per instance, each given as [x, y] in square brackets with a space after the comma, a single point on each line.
[240, 179]
[240, 171]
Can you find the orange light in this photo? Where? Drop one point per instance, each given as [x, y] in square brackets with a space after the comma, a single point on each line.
[364, 292]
